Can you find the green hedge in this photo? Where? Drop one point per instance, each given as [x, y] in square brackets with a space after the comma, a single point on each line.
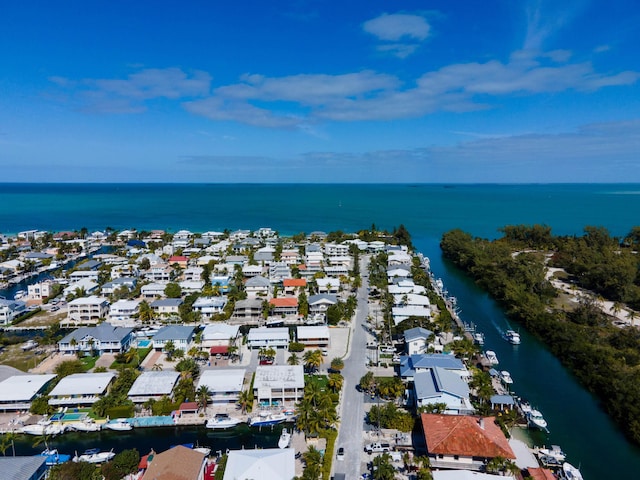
[331, 436]
[125, 411]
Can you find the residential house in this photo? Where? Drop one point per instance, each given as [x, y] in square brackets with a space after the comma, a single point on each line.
[179, 260]
[328, 285]
[249, 271]
[400, 314]
[167, 306]
[153, 290]
[278, 384]
[153, 385]
[337, 271]
[80, 389]
[463, 441]
[263, 464]
[405, 287]
[416, 340]
[293, 286]
[103, 338]
[336, 250]
[319, 304]
[193, 274]
[85, 286]
[224, 384]
[91, 309]
[438, 385]
[248, 309]
[193, 286]
[284, 306]
[110, 288]
[18, 391]
[176, 463]
[290, 257]
[126, 270]
[78, 275]
[278, 271]
[209, 306]
[268, 337]
[314, 336]
[160, 272]
[10, 309]
[412, 364]
[258, 286]
[264, 255]
[217, 337]
[124, 312]
[30, 467]
[398, 272]
[180, 335]
[222, 283]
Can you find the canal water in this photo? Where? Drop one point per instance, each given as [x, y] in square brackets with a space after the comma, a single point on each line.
[576, 422]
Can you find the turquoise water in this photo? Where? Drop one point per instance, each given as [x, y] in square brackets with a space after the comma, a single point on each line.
[144, 343]
[575, 419]
[161, 421]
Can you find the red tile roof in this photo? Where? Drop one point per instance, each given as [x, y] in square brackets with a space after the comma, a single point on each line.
[219, 349]
[178, 259]
[188, 406]
[178, 463]
[465, 435]
[541, 474]
[294, 282]
[284, 302]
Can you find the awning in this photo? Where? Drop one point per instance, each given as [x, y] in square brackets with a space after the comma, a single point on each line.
[219, 349]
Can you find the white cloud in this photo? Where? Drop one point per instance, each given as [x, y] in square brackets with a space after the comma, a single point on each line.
[396, 26]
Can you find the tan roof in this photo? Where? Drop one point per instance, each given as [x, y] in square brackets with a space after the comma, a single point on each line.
[177, 463]
[465, 435]
[541, 474]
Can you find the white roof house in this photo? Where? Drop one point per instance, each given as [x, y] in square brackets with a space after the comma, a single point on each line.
[153, 385]
[85, 284]
[268, 337]
[123, 312]
[81, 388]
[219, 334]
[224, 384]
[16, 392]
[314, 335]
[279, 383]
[402, 313]
[265, 464]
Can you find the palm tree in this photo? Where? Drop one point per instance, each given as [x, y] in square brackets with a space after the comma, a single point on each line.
[337, 364]
[312, 359]
[193, 352]
[335, 382]
[169, 349]
[145, 312]
[202, 396]
[245, 400]
[7, 440]
[156, 367]
[632, 315]
[293, 359]
[312, 393]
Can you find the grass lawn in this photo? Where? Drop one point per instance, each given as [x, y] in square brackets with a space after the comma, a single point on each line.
[88, 362]
[142, 354]
[321, 380]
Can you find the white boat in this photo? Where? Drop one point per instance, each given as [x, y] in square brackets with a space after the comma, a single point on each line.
[53, 457]
[222, 421]
[285, 438]
[119, 424]
[506, 377]
[554, 453]
[491, 357]
[266, 419]
[478, 337]
[87, 425]
[536, 419]
[570, 472]
[29, 345]
[20, 294]
[36, 429]
[94, 456]
[512, 337]
[43, 427]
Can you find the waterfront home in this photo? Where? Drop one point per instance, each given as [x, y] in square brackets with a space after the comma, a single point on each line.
[224, 384]
[264, 255]
[438, 385]
[110, 288]
[247, 310]
[103, 338]
[400, 314]
[398, 272]
[268, 337]
[18, 391]
[411, 300]
[282, 306]
[180, 335]
[502, 402]
[176, 463]
[319, 304]
[258, 286]
[336, 249]
[463, 441]
[85, 310]
[80, 389]
[41, 290]
[127, 270]
[412, 364]
[10, 309]
[314, 336]
[416, 340]
[30, 467]
[78, 275]
[278, 384]
[263, 464]
[405, 287]
[328, 285]
[85, 285]
[398, 257]
[209, 306]
[124, 312]
[217, 337]
[153, 290]
[293, 286]
[153, 385]
[167, 306]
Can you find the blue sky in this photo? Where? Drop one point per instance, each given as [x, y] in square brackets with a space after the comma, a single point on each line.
[320, 91]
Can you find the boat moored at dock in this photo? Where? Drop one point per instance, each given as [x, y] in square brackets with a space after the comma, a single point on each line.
[491, 357]
[119, 425]
[266, 419]
[222, 421]
[285, 438]
[94, 455]
[536, 420]
[569, 472]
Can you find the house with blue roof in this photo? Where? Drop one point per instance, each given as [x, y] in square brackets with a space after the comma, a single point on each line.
[103, 338]
[410, 365]
[416, 340]
[180, 335]
[438, 385]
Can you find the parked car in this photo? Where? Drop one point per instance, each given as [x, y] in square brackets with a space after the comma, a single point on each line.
[377, 447]
[340, 455]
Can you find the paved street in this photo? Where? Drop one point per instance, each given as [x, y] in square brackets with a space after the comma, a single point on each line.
[352, 414]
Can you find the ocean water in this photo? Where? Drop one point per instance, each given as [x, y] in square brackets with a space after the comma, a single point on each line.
[575, 419]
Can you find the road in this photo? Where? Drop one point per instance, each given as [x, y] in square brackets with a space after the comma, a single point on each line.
[352, 413]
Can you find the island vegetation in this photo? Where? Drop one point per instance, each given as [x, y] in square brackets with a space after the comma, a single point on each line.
[590, 323]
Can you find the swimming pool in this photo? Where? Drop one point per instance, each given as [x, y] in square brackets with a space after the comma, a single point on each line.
[144, 343]
[151, 421]
[68, 417]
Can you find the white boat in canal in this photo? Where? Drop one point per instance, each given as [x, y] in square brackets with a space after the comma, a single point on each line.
[222, 421]
[119, 425]
[44, 427]
[512, 337]
[266, 419]
[554, 454]
[506, 377]
[478, 337]
[87, 425]
[569, 472]
[536, 420]
[491, 357]
[94, 455]
[285, 438]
